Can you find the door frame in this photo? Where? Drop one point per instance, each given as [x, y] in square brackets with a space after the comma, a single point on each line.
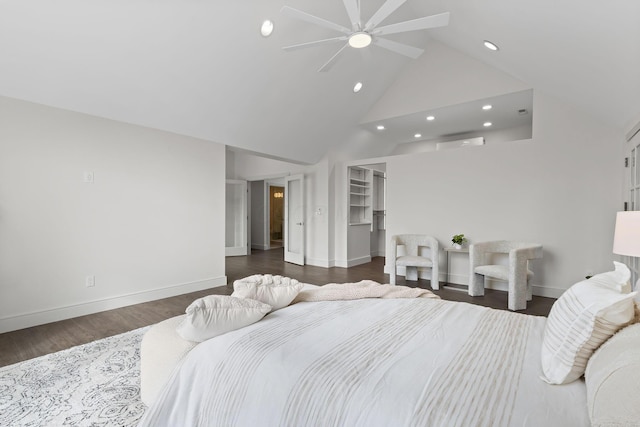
[239, 250]
[294, 216]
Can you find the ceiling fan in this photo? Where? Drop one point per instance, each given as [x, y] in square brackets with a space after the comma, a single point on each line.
[362, 35]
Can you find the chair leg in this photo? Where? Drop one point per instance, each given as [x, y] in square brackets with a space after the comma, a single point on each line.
[529, 291]
[476, 285]
[435, 282]
[517, 296]
[392, 275]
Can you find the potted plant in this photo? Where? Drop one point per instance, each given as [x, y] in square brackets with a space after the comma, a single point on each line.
[458, 240]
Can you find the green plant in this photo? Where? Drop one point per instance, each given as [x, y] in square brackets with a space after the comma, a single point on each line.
[459, 239]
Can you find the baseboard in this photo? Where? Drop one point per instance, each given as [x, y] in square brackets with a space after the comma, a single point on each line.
[358, 261]
[543, 291]
[318, 262]
[259, 247]
[341, 263]
[460, 279]
[27, 320]
[456, 279]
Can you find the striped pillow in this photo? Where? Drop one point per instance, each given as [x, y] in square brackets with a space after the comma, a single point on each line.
[613, 380]
[584, 317]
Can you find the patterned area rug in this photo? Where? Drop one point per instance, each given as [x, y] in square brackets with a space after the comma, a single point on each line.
[95, 384]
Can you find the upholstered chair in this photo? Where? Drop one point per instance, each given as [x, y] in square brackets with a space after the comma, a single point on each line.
[414, 258]
[516, 273]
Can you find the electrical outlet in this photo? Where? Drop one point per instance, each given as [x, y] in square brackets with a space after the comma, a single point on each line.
[90, 281]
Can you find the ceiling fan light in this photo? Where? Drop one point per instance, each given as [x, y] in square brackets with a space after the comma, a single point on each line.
[267, 28]
[359, 40]
[491, 46]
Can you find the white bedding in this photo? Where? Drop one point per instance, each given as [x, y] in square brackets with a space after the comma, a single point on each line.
[405, 362]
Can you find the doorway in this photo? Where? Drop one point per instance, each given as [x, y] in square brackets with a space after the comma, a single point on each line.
[276, 216]
[366, 201]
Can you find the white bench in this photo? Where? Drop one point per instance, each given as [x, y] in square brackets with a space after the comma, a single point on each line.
[161, 351]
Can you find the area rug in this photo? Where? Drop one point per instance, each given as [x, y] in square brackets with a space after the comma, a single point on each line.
[95, 384]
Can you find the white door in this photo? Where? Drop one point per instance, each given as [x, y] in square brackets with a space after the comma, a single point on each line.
[236, 225]
[294, 219]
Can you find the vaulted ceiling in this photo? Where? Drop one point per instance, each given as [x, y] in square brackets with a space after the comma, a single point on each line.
[201, 67]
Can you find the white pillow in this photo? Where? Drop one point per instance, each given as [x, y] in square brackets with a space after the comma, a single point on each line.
[618, 279]
[613, 380]
[215, 315]
[277, 291]
[584, 317]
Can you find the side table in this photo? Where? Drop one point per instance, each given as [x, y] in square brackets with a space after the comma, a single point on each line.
[448, 251]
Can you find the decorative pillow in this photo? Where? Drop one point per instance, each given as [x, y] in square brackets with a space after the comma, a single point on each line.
[215, 315]
[618, 279]
[584, 317]
[277, 291]
[613, 380]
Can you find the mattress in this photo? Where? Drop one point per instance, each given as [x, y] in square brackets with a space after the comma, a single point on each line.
[372, 362]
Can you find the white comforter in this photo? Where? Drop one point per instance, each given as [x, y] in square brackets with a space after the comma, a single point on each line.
[406, 362]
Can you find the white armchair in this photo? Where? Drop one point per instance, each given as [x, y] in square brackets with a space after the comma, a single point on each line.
[413, 257]
[516, 273]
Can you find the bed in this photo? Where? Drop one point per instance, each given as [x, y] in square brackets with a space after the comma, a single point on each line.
[372, 362]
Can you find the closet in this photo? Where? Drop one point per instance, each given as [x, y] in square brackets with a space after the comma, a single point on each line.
[366, 202]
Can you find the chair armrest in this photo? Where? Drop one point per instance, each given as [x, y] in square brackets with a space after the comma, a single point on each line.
[477, 252]
[434, 245]
[393, 251]
[527, 253]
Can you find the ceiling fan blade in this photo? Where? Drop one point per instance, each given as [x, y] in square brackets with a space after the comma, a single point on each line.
[353, 10]
[381, 14]
[314, 43]
[327, 65]
[304, 16]
[434, 21]
[401, 48]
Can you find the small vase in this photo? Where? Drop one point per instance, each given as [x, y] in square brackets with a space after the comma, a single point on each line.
[457, 246]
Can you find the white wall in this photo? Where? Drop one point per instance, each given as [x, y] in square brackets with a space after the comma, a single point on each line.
[150, 226]
[490, 137]
[439, 78]
[560, 189]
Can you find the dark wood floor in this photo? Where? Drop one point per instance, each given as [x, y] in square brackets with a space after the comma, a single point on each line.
[33, 342]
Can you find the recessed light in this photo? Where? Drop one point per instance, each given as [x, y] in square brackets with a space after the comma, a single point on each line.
[487, 107]
[357, 87]
[487, 124]
[430, 118]
[417, 135]
[380, 127]
[267, 28]
[359, 40]
[490, 46]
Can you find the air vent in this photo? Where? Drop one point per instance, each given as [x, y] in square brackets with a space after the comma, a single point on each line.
[522, 112]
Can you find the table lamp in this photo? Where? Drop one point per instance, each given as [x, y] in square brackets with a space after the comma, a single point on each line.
[626, 238]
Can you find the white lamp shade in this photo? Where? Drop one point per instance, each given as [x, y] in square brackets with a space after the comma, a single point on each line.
[626, 240]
